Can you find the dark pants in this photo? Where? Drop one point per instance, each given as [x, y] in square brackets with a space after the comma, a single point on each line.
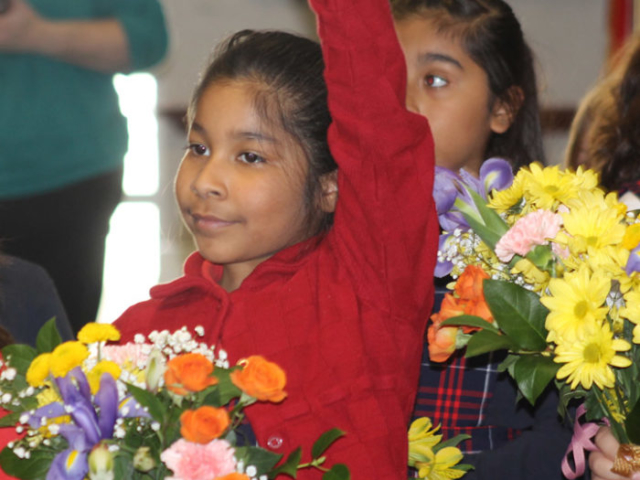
[64, 231]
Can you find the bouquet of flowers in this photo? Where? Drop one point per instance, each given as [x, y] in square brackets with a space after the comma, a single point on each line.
[546, 266]
[163, 406]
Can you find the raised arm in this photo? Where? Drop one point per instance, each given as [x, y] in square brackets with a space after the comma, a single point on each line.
[385, 220]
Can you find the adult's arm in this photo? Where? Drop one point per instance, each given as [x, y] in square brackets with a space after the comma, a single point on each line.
[124, 35]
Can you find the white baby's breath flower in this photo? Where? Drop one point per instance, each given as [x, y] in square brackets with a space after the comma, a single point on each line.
[138, 338]
[6, 398]
[54, 429]
[251, 471]
[8, 374]
[199, 330]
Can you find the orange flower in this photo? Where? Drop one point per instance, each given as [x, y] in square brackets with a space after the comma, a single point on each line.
[450, 307]
[190, 372]
[204, 424]
[261, 379]
[442, 342]
[469, 284]
[233, 476]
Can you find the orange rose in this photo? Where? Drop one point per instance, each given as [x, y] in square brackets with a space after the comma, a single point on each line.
[449, 308]
[190, 372]
[204, 424]
[442, 342]
[469, 284]
[233, 476]
[261, 379]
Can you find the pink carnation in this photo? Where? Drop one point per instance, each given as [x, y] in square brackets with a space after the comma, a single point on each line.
[195, 461]
[130, 352]
[535, 228]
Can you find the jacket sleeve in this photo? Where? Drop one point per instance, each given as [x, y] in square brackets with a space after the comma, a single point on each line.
[144, 24]
[385, 223]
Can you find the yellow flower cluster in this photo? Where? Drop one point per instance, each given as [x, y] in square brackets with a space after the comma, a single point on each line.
[69, 355]
[432, 463]
[586, 287]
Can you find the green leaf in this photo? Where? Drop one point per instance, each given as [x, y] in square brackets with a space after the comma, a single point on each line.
[34, 468]
[48, 337]
[451, 442]
[486, 341]
[10, 419]
[632, 424]
[224, 391]
[533, 373]
[492, 220]
[260, 458]
[471, 321]
[149, 400]
[337, 472]
[19, 356]
[290, 466]
[325, 441]
[519, 313]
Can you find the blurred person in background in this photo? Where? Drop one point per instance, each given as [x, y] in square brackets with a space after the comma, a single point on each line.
[62, 135]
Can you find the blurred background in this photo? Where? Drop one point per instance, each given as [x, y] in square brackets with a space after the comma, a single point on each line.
[147, 243]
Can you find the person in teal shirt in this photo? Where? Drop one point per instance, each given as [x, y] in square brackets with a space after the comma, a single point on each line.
[62, 135]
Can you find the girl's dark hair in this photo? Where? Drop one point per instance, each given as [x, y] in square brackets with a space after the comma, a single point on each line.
[491, 35]
[618, 137]
[291, 93]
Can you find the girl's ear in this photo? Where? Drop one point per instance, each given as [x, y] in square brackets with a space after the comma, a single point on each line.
[329, 191]
[505, 109]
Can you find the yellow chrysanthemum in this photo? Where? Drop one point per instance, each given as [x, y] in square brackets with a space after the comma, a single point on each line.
[47, 396]
[610, 261]
[539, 279]
[438, 466]
[631, 237]
[66, 356]
[631, 311]
[422, 439]
[589, 226]
[589, 358]
[39, 370]
[509, 198]
[105, 366]
[575, 300]
[98, 332]
[546, 187]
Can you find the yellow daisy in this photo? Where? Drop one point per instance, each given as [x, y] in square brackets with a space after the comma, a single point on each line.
[539, 279]
[39, 370]
[105, 366]
[631, 237]
[510, 198]
[575, 300]
[66, 356]
[547, 187]
[98, 332]
[631, 311]
[589, 358]
[590, 226]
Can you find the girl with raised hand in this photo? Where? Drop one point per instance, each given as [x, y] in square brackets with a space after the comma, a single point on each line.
[322, 267]
[471, 72]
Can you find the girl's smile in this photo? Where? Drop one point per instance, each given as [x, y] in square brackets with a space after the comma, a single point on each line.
[241, 182]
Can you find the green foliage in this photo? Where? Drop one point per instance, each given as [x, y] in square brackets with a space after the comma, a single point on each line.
[224, 391]
[48, 337]
[519, 314]
[260, 458]
[486, 341]
[290, 466]
[35, 468]
[325, 441]
[337, 472]
[533, 373]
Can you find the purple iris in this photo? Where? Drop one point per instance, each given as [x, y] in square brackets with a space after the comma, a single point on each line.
[496, 174]
[88, 427]
[443, 267]
[633, 264]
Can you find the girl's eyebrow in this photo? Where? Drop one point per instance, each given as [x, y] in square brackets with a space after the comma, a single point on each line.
[430, 57]
[259, 136]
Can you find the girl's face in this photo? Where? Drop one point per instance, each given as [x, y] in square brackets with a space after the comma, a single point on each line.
[240, 186]
[445, 85]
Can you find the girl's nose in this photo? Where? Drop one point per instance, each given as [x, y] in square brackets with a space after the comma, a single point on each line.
[211, 180]
[410, 101]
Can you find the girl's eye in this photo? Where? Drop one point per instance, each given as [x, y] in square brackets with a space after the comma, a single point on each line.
[249, 157]
[435, 81]
[199, 149]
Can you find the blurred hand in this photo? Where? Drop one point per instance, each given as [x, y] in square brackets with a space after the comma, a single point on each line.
[18, 27]
[601, 461]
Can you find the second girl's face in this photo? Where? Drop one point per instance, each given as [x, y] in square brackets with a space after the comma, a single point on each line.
[451, 90]
[240, 186]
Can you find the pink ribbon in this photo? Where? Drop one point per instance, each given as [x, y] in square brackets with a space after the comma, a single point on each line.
[580, 442]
